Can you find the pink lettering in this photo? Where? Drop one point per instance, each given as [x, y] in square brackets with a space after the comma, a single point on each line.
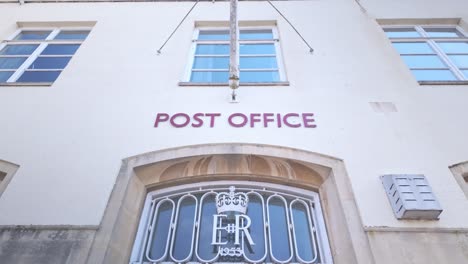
[254, 118]
[197, 118]
[308, 120]
[212, 118]
[161, 117]
[232, 123]
[267, 120]
[183, 115]
[286, 122]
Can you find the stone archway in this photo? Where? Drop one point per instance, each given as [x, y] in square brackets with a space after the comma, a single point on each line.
[460, 171]
[247, 162]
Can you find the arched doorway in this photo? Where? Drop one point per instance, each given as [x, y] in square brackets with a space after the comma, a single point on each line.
[212, 163]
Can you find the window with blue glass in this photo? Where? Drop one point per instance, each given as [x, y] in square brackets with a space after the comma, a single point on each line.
[231, 223]
[258, 56]
[432, 53]
[38, 56]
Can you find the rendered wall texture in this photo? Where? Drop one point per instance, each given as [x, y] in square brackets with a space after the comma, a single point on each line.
[419, 247]
[103, 106]
[69, 139]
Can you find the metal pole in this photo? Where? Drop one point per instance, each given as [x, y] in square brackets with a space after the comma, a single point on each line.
[234, 50]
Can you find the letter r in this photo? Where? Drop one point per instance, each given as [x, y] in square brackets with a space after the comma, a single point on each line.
[244, 228]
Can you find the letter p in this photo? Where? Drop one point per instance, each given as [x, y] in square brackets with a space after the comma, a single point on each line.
[161, 117]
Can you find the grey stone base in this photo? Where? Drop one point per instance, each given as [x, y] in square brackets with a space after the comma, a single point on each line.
[45, 244]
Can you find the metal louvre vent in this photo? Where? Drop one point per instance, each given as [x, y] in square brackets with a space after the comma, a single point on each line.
[411, 197]
[231, 224]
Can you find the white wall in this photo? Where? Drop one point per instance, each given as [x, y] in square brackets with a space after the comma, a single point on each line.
[70, 138]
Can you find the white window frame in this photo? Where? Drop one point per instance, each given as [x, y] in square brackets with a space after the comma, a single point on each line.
[320, 228]
[43, 43]
[432, 42]
[275, 41]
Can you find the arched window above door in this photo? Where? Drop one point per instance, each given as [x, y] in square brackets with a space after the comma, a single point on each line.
[237, 222]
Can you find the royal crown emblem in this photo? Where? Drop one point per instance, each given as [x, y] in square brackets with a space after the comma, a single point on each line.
[232, 201]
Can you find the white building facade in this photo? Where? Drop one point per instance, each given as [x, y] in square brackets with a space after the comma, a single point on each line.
[120, 142]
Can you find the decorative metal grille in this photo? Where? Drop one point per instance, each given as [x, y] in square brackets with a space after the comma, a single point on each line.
[231, 223]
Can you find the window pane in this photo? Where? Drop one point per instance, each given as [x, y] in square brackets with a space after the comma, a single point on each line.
[443, 32]
[41, 76]
[32, 35]
[219, 77]
[423, 61]
[213, 35]
[18, 49]
[162, 228]
[256, 34]
[460, 60]
[185, 228]
[413, 47]
[4, 75]
[454, 47]
[259, 76]
[465, 72]
[80, 34]
[279, 230]
[434, 75]
[50, 63]
[212, 49]
[401, 33]
[258, 63]
[302, 233]
[257, 49]
[211, 63]
[257, 229]
[226, 234]
[11, 63]
[60, 49]
[205, 250]
[244, 34]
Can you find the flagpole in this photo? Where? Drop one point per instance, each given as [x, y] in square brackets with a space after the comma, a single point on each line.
[234, 50]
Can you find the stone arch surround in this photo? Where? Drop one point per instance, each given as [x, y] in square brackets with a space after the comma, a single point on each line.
[233, 161]
[460, 172]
